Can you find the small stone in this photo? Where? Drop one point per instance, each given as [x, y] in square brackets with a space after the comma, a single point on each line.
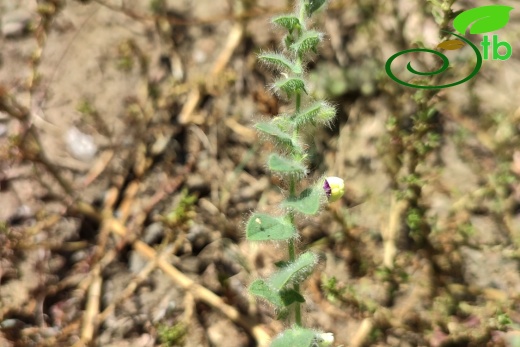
[153, 233]
[3, 129]
[80, 145]
[136, 262]
[15, 23]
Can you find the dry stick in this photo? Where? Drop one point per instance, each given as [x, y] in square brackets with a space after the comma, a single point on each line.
[362, 334]
[32, 151]
[202, 21]
[199, 292]
[94, 292]
[123, 212]
[94, 284]
[92, 309]
[99, 166]
[107, 259]
[124, 207]
[390, 233]
[232, 42]
[185, 116]
[165, 190]
[46, 223]
[130, 288]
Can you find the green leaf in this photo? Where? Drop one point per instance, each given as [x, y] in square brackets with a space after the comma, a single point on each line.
[308, 202]
[307, 115]
[307, 42]
[288, 21]
[294, 337]
[288, 40]
[282, 165]
[280, 61]
[295, 272]
[283, 313]
[290, 295]
[320, 112]
[279, 136]
[312, 6]
[326, 114]
[486, 19]
[262, 227]
[290, 85]
[261, 289]
[279, 298]
[281, 263]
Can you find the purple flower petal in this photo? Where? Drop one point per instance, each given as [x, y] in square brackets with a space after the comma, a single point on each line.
[327, 189]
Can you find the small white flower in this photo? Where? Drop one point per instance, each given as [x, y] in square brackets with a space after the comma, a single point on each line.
[334, 188]
[324, 339]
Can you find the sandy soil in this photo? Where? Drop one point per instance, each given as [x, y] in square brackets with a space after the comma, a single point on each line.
[128, 167]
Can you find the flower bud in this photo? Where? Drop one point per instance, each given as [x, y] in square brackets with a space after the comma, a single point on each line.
[324, 339]
[334, 188]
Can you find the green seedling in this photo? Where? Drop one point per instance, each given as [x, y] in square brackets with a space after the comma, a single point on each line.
[290, 161]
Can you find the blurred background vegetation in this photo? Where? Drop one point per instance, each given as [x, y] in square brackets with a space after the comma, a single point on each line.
[128, 166]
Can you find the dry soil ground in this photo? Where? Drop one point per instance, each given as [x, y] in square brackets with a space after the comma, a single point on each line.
[128, 167]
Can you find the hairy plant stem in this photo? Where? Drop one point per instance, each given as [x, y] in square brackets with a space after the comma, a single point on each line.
[292, 257]
[292, 254]
[285, 293]
[301, 15]
[292, 251]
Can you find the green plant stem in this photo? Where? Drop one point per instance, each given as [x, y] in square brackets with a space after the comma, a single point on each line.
[297, 309]
[292, 257]
[301, 15]
[292, 251]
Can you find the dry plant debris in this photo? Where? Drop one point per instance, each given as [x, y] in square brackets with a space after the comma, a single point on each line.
[128, 167]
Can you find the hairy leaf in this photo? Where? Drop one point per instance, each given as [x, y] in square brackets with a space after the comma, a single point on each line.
[261, 289]
[320, 112]
[288, 21]
[295, 272]
[262, 227]
[279, 136]
[290, 86]
[282, 165]
[307, 42]
[313, 5]
[294, 337]
[280, 61]
[279, 298]
[290, 296]
[308, 202]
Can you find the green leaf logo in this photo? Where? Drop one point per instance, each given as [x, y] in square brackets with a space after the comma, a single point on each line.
[451, 45]
[485, 19]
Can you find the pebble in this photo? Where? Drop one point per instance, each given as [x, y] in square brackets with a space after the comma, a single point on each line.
[80, 145]
[136, 262]
[153, 233]
[15, 23]
[3, 129]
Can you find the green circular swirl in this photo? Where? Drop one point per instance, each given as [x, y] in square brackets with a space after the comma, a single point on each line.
[445, 64]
